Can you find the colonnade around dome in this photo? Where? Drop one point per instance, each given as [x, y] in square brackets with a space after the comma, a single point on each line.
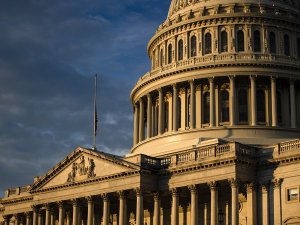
[235, 101]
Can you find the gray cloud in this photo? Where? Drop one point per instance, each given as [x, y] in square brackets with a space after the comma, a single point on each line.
[49, 52]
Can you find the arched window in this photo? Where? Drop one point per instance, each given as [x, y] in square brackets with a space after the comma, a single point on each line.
[188, 118]
[170, 53]
[161, 58]
[180, 49]
[243, 106]
[286, 40]
[256, 41]
[279, 107]
[272, 42]
[206, 108]
[298, 47]
[224, 96]
[208, 43]
[193, 46]
[240, 41]
[224, 41]
[261, 106]
[166, 116]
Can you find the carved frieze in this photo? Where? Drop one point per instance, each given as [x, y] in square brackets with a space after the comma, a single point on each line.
[81, 171]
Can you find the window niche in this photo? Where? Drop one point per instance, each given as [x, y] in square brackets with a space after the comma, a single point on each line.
[292, 194]
[170, 49]
[224, 41]
[208, 43]
[261, 106]
[180, 50]
[286, 42]
[272, 43]
[206, 107]
[243, 106]
[193, 52]
[240, 41]
[256, 41]
[224, 102]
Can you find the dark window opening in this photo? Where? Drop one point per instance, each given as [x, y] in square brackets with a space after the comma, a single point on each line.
[272, 42]
[240, 41]
[180, 50]
[257, 41]
[193, 46]
[224, 106]
[261, 106]
[208, 43]
[243, 106]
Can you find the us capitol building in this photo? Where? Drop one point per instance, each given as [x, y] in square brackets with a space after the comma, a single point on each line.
[216, 130]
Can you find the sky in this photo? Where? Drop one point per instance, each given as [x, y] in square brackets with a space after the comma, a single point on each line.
[49, 53]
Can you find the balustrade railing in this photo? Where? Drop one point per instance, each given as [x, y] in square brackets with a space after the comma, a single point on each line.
[200, 153]
[229, 57]
[289, 146]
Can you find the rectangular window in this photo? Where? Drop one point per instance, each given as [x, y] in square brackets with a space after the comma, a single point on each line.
[292, 194]
[298, 47]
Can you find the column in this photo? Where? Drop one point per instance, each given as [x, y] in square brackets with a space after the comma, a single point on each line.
[227, 213]
[47, 215]
[106, 209]
[141, 121]
[175, 108]
[28, 218]
[234, 202]
[6, 219]
[193, 108]
[212, 101]
[68, 217]
[122, 208]
[136, 125]
[213, 203]
[232, 116]
[149, 116]
[75, 212]
[274, 101]
[175, 205]
[277, 201]
[17, 219]
[194, 204]
[156, 211]
[251, 204]
[205, 214]
[139, 207]
[90, 214]
[35, 210]
[160, 112]
[40, 218]
[61, 213]
[293, 103]
[265, 204]
[253, 100]
[52, 217]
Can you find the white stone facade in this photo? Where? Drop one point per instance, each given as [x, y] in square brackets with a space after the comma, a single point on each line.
[216, 130]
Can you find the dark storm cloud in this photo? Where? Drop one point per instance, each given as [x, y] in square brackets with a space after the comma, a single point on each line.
[49, 51]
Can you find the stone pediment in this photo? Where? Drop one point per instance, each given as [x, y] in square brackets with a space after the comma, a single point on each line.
[83, 164]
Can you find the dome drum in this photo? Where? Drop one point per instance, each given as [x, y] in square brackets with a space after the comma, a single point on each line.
[236, 103]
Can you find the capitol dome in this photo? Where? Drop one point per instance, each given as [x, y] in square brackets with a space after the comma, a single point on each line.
[220, 69]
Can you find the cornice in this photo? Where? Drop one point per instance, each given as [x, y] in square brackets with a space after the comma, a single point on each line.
[16, 200]
[91, 181]
[226, 64]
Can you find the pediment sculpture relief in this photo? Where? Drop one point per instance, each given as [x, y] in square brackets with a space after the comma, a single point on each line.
[80, 171]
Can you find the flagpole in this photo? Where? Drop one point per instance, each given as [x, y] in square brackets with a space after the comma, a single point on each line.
[95, 113]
